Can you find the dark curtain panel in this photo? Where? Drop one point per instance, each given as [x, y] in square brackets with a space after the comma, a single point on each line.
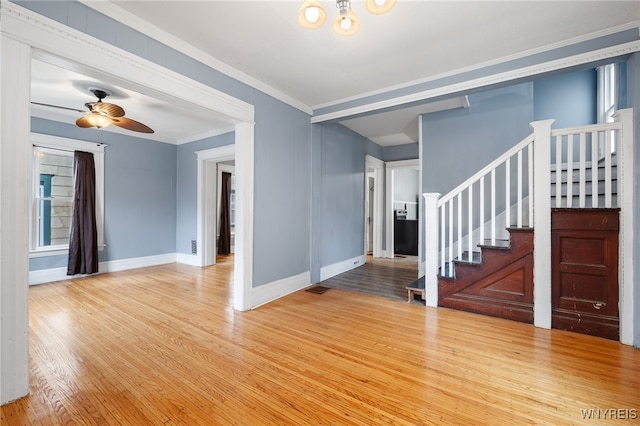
[224, 245]
[83, 235]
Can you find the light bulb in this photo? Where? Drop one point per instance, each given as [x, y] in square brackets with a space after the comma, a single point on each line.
[98, 120]
[312, 14]
[346, 24]
[378, 7]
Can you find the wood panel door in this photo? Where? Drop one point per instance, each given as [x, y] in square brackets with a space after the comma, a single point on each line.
[585, 271]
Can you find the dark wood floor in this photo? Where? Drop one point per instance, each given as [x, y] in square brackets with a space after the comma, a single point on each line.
[379, 277]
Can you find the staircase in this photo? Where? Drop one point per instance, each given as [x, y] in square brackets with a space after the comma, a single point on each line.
[498, 282]
[479, 244]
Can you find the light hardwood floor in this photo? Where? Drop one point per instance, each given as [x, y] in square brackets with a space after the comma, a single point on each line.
[162, 345]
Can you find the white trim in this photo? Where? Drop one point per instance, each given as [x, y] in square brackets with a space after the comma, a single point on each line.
[136, 262]
[486, 64]
[542, 307]
[329, 271]
[243, 259]
[15, 185]
[187, 259]
[43, 276]
[378, 206]
[431, 248]
[206, 217]
[626, 194]
[280, 288]
[467, 85]
[115, 12]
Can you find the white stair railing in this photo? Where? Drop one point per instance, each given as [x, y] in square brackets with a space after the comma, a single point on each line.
[461, 211]
[591, 151]
[457, 222]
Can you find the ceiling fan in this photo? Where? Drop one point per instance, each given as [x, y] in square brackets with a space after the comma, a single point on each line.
[103, 114]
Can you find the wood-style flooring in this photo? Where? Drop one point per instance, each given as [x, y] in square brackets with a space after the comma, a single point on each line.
[163, 346]
[380, 277]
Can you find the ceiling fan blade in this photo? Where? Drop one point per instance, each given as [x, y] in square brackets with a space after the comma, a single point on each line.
[57, 106]
[83, 122]
[129, 124]
[111, 110]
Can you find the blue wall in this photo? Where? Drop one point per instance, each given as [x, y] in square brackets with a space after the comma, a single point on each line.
[570, 99]
[187, 186]
[457, 143]
[410, 151]
[282, 203]
[140, 194]
[341, 162]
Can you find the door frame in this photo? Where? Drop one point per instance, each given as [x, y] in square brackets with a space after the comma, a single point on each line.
[391, 167]
[374, 168]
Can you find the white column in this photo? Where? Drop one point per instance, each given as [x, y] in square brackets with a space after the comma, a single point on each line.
[431, 247]
[626, 203]
[243, 259]
[15, 178]
[542, 223]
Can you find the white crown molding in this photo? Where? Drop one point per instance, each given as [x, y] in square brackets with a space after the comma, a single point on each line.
[485, 64]
[117, 13]
[520, 73]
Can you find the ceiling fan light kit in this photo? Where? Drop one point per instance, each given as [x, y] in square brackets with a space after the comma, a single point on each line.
[312, 15]
[103, 114]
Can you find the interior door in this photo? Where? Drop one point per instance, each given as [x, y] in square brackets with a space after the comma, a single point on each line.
[585, 271]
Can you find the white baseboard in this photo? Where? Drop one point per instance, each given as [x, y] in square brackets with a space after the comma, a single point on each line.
[188, 259]
[329, 271]
[276, 289]
[137, 262]
[48, 275]
[58, 274]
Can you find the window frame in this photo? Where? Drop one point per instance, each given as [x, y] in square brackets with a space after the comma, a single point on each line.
[41, 142]
[607, 101]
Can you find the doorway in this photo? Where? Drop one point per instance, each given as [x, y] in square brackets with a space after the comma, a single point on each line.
[226, 194]
[403, 203]
[584, 281]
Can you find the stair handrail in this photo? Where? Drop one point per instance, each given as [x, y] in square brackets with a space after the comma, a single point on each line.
[487, 169]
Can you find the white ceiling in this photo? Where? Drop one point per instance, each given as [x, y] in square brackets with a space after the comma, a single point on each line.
[414, 42]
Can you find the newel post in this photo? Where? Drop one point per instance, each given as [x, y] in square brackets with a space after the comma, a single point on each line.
[542, 223]
[431, 247]
[626, 202]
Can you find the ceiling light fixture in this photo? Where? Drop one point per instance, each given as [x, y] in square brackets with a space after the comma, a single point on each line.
[312, 15]
[97, 119]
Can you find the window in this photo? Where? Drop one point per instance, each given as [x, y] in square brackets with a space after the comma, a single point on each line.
[607, 100]
[52, 192]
